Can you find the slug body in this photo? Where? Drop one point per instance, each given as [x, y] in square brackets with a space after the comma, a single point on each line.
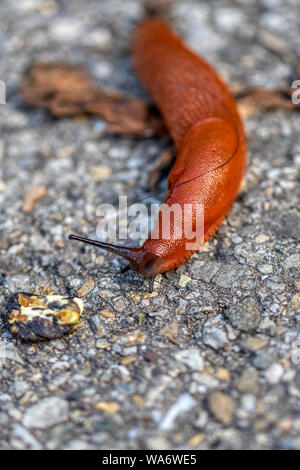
[202, 118]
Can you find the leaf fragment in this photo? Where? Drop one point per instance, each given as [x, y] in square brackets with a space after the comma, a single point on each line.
[32, 196]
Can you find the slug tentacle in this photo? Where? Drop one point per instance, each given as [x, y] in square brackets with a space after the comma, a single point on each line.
[127, 253]
[140, 259]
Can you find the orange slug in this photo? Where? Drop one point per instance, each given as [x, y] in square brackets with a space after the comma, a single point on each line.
[202, 118]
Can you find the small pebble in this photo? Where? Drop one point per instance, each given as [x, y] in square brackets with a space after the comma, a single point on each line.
[214, 337]
[46, 413]
[222, 406]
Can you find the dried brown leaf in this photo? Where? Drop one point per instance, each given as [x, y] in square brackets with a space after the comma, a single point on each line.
[66, 90]
[61, 88]
[250, 100]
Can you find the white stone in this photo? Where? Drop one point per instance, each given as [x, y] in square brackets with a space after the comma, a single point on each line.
[274, 373]
[47, 412]
[191, 357]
